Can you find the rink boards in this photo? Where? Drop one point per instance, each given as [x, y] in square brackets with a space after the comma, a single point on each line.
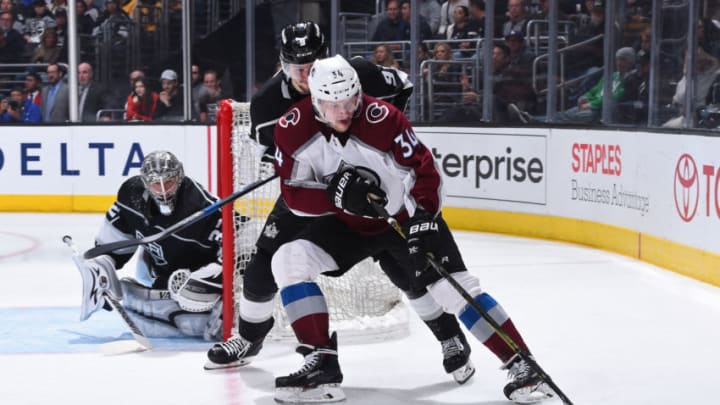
[647, 195]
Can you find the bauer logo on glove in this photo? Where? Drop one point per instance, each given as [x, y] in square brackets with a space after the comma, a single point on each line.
[352, 188]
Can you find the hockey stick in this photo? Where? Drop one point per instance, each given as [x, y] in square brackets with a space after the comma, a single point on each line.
[114, 303]
[182, 224]
[476, 306]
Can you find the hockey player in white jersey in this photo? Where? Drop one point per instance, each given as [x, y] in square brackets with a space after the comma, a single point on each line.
[178, 285]
[302, 44]
[338, 153]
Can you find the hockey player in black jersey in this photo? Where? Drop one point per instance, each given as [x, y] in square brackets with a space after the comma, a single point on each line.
[302, 44]
[179, 277]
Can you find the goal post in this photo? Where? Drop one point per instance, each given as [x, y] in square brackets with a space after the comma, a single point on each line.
[363, 304]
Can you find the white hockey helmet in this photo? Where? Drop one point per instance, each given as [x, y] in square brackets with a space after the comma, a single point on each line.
[162, 174]
[333, 79]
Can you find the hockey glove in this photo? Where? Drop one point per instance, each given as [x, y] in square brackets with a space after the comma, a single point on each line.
[267, 166]
[350, 191]
[422, 238]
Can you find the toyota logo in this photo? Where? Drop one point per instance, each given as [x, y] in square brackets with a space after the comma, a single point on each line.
[687, 187]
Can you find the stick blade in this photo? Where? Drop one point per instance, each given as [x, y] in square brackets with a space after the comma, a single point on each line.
[120, 347]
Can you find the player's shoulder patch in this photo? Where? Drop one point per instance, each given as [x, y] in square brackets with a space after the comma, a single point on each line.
[291, 117]
[376, 112]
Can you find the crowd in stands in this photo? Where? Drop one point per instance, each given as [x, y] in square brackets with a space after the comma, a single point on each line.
[449, 56]
[520, 37]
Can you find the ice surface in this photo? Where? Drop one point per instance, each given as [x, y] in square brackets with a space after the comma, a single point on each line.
[607, 328]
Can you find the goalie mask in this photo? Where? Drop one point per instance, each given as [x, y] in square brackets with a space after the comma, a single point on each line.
[335, 92]
[301, 45]
[162, 174]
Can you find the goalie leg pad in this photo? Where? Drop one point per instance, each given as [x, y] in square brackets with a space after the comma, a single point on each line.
[158, 315]
[98, 277]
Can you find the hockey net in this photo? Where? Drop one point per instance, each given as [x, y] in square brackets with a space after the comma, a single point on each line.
[363, 304]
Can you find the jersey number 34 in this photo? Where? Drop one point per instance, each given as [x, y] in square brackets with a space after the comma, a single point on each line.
[407, 141]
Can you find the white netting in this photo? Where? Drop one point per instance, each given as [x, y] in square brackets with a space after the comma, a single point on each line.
[363, 304]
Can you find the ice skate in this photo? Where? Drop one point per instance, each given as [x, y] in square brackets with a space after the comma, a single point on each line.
[456, 358]
[235, 352]
[525, 385]
[317, 381]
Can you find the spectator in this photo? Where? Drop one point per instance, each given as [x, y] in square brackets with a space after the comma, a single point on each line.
[120, 91]
[447, 10]
[445, 77]
[61, 26]
[707, 69]
[170, 107]
[392, 27]
[709, 115]
[11, 41]
[517, 17]
[470, 110]
[521, 58]
[92, 96]
[460, 29]
[20, 109]
[588, 59]
[430, 10]
[142, 102]
[55, 104]
[40, 20]
[32, 87]
[210, 94]
[115, 22]
[637, 19]
[515, 86]
[544, 12]
[85, 22]
[18, 18]
[423, 53]
[477, 17]
[634, 109]
[56, 5]
[708, 36]
[93, 11]
[49, 51]
[589, 105]
[383, 56]
[197, 85]
[425, 30]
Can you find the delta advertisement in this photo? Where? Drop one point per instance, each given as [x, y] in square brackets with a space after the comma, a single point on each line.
[87, 160]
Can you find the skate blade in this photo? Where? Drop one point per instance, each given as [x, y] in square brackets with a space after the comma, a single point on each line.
[464, 373]
[326, 393]
[532, 394]
[210, 365]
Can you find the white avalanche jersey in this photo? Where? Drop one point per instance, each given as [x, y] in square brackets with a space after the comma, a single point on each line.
[380, 142]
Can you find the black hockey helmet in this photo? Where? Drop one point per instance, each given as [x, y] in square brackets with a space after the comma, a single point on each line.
[302, 43]
[162, 174]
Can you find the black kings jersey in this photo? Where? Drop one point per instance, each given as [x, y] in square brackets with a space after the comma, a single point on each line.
[278, 94]
[135, 215]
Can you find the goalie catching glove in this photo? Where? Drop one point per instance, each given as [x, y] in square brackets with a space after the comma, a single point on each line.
[422, 235]
[99, 278]
[351, 191]
[197, 291]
